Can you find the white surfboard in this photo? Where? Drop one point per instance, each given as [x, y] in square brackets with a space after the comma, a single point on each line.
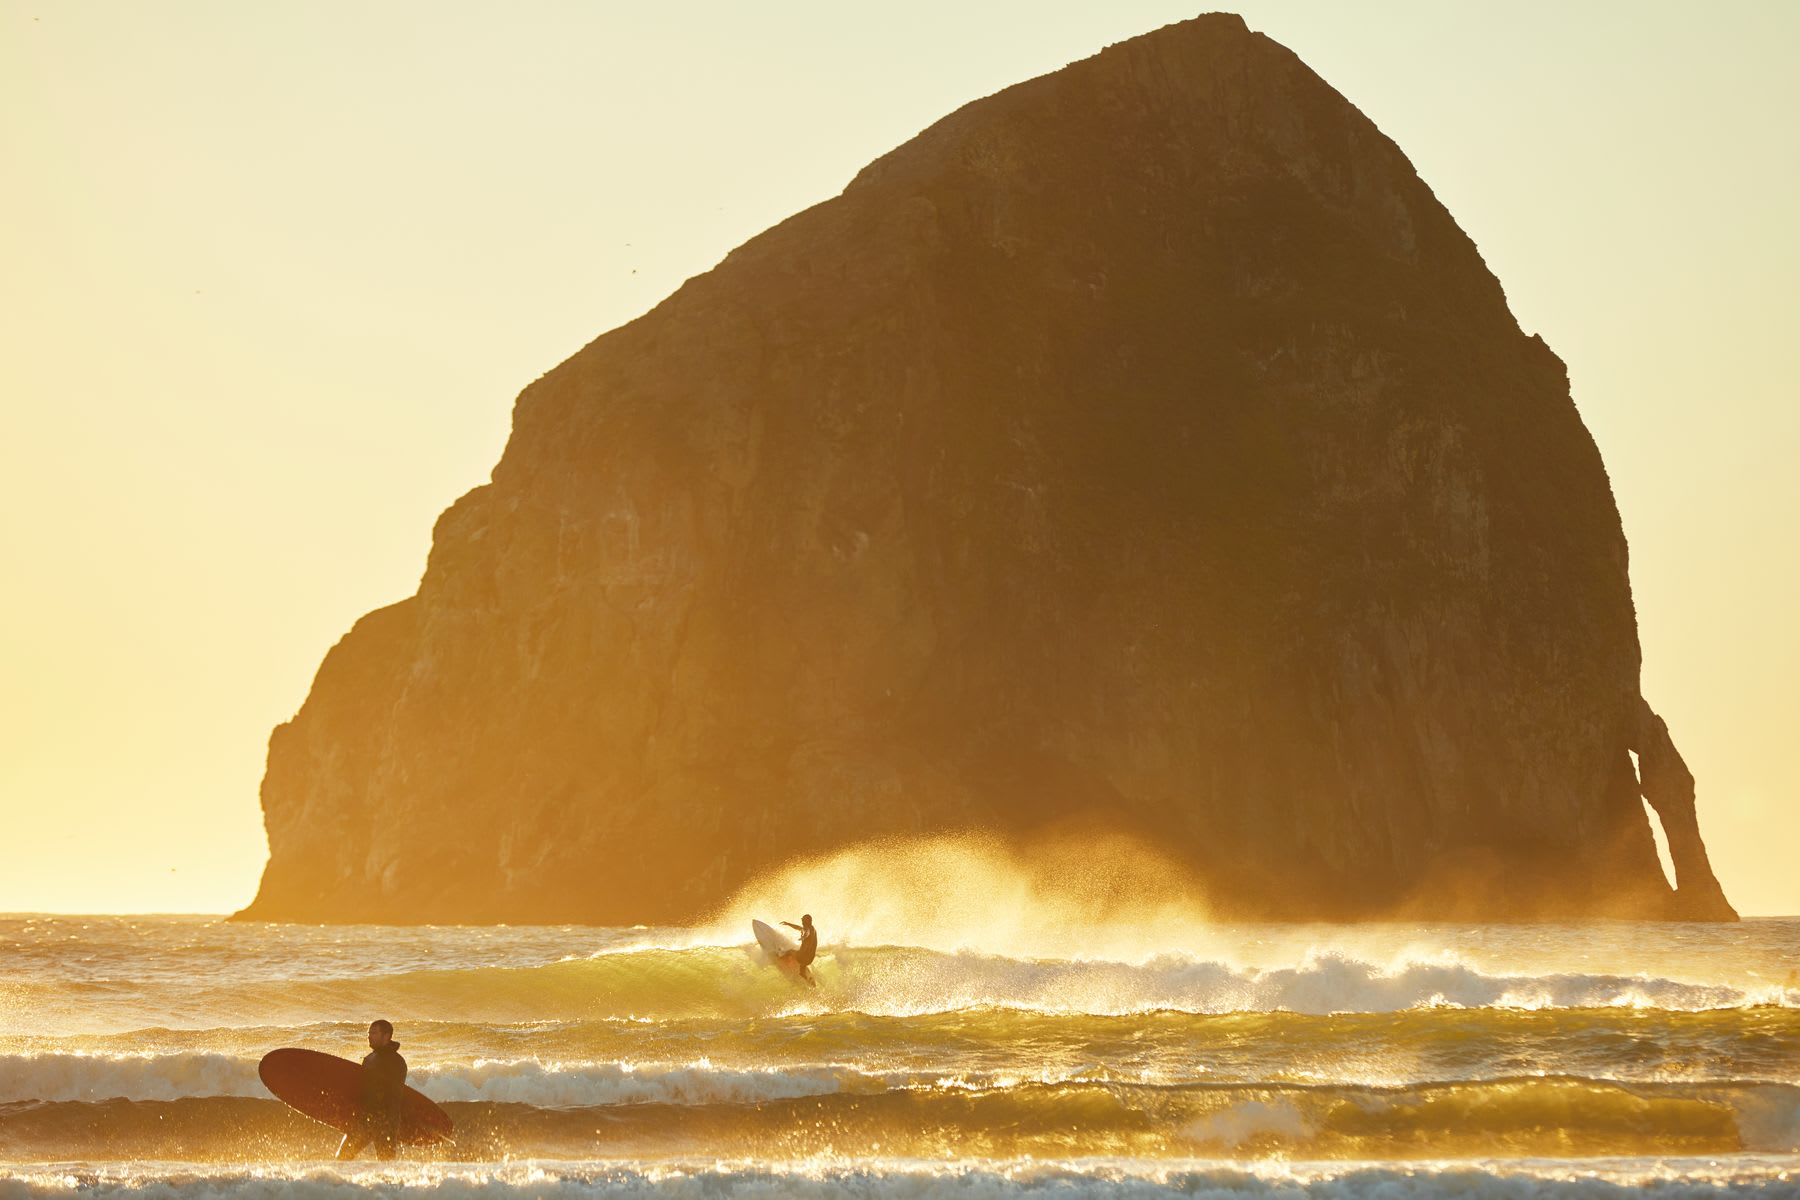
[778, 951]
[774, 943]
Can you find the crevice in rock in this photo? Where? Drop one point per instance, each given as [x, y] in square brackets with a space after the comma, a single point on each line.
[1661, 837]
[1667, 786]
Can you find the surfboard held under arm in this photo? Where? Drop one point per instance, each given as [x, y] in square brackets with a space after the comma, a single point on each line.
[328, 1089]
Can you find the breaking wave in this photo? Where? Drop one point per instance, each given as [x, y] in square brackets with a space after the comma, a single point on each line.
[95, 1077]
[728, 982]
[1395, 1048]
[919, 1181]
[722, 1061]
[1526, 1116]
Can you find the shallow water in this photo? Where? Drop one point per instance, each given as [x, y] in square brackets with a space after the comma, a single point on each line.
[1383, 1060]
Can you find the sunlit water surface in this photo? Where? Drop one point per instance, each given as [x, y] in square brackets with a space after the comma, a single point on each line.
[1381, 1061]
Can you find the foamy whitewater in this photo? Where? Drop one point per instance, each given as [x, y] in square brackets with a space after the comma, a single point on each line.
[1385, 1061]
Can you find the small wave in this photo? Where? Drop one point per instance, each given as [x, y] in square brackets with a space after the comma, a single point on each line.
[904, 981]
[903, 1180]
[86, 1077]
[728, 983]
[558, 1085]
[1251, 1122]
[144, 1077]
[1424, 1044]
[1519, 1117]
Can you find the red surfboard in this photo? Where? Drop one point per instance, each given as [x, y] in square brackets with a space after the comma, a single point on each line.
[328, 1089]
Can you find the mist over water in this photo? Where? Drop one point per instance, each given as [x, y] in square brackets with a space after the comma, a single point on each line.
[988, 1022]
[1099, 896]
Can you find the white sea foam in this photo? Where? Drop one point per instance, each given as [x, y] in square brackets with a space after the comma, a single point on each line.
[1244, 1125]
[125, 1077]
[561, 1085]
[1768, 1179]
[95, 1077]
[902, 981]
[891, 981]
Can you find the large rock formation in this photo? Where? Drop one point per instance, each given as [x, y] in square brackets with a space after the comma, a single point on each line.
[1141, 447]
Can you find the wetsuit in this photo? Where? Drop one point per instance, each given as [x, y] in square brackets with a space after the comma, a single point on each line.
[383, 1088]
[809, 947]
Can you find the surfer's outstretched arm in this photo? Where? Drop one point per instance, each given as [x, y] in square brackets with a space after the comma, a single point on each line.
[791, 925]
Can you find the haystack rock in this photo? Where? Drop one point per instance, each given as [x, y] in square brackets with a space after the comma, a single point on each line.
[1142, 448]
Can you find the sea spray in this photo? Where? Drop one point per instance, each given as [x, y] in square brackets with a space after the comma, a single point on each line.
[1384, 1047]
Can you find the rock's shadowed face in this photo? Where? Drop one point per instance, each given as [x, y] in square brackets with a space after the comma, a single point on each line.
[1141, 450]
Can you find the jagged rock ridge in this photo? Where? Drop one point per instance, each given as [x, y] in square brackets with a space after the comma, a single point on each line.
[1143, 447]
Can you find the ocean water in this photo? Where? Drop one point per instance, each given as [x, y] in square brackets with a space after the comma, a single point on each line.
[1383, 1061]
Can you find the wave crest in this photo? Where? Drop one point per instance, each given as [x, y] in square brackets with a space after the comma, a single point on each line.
[1525, 1117]
[87, 1078]
[908, 981]
[899, 1180]
[730, 983]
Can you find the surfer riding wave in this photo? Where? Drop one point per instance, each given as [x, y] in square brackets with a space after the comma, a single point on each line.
[808, 949]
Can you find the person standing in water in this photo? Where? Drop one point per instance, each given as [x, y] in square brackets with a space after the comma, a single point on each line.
[383, 1088]
[809, 947]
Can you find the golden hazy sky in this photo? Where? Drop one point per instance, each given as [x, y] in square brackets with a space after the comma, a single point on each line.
[271, 275]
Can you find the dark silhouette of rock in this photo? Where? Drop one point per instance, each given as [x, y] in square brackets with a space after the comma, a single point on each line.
[1141, 448]
[1669, 787]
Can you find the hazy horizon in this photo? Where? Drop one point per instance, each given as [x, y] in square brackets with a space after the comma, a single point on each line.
[274, 289]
